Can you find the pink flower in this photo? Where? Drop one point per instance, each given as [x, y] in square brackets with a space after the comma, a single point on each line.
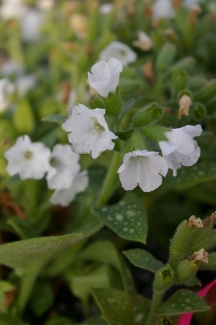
[186, 318]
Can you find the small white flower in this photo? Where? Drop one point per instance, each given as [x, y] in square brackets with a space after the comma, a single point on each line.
[11, 68]
[181, 148]
[106, 8]
[12, 9]
[29, 160]
[30, 25]
[119, 51]
[25, 83]
[144, 42]
[66, 196]
[104, 76]
[162, 9]
[46, 4]
[6, 89]
[190, 3]
[89, 131]
[64, 167]
[143, 168]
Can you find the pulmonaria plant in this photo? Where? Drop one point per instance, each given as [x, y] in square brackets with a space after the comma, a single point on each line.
[89, 131]
[104, 76]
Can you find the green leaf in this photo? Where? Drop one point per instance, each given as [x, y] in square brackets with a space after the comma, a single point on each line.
[141, 310]
[60, 321]
[14, 180]
[190, 176]
[6, 319]
[96, 320]
[207, 92]
[81, 284]
[143, 259]
[127, 106]
[124, 135]
[165, 56]
[58, 119]
[42, 298]
[183, 301]
[29, 256]
[128, 218]
[114, 305]
[22, 228]
[23, 118]
[147, 115]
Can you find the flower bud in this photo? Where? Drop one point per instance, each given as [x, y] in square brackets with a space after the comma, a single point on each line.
[198, 112]
[206, 93]
[165, 56]
[185, 271]
[179, 81]
[164, 278]
[184, 106]
[181, 241]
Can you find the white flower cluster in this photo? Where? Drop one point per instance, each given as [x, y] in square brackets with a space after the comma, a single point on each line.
[146, 168]
[89, 134]
[33, 160]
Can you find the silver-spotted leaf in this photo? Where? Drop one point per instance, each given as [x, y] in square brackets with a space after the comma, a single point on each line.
[128, 218]
[183, 301]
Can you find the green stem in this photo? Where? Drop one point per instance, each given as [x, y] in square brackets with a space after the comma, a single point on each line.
[156, 300]
[107, 188]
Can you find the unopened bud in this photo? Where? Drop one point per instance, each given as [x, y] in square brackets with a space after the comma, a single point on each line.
[185, 271]
[199, 256]
[148, 72]
[185, 103]
[164, 278]
[144, 42]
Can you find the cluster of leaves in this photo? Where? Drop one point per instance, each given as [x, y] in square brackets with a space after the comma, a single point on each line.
[85, 260]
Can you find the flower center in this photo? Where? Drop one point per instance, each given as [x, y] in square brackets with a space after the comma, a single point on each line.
[98, 127]
[122, 52]
[28, 154]
[54, 162]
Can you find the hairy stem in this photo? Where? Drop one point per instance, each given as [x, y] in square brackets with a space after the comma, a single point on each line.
[107, 188]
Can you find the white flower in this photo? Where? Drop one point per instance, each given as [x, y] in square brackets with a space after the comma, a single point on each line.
[6, 89]
[89, 131]
[190, 3]
[104, 76]
[46, 4]
[12, 9]
[29, 160]
[119, 51]
[30, 25]
[162, 9]
[64, 167]
[143, 168]
[66, 196]
[181, 148]
[106, 8]
[144, 42]
[11, 68]
[25, 83]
